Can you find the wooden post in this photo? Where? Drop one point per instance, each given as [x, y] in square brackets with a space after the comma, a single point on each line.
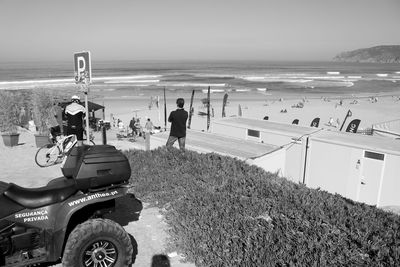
[147, 141]
[104, 133]
[87, 119]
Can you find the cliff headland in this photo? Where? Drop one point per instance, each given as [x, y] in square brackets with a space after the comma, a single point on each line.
[376, 54]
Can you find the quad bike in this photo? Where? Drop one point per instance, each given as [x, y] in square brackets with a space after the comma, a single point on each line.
[68, 218]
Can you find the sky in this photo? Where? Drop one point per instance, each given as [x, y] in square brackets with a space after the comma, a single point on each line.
[314, 30]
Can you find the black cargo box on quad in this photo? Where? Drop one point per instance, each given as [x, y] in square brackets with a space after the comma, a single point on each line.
[96, 166]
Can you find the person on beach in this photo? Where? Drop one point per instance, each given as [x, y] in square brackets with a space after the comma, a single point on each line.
[59, 116]
[178, 119]
[121, 126]
[149, 126]
[75, 113]
[132, 125]
[53, 124]
[139, 127]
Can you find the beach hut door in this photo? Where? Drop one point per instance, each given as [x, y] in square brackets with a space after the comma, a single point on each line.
[371, 175]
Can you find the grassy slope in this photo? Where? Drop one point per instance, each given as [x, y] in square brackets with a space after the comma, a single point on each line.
[222, 211]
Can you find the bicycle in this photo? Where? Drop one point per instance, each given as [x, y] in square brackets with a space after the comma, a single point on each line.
[54, 153]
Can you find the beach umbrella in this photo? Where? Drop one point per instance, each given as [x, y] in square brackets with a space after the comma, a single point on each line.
[353, 126]
[208, 108]
[191, 110]
[315, 122]
[349, 114]
[240, 111]
[296, 121]
[225, 100]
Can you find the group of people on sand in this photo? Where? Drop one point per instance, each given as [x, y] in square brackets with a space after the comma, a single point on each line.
[333, 123]
[138, 130]
[177, 118]
[75, 114]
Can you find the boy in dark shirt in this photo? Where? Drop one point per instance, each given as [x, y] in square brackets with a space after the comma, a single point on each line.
[178, 119]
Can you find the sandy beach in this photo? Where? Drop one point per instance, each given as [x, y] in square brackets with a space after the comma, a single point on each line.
[258, 106]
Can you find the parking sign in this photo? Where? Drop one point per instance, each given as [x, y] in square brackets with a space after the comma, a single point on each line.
[82, 64]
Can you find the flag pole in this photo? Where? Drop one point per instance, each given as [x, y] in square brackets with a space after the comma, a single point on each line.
[224, 101]
[165, 111]
[190, 110]
[208, 108]
[347, 115]
[158, 107]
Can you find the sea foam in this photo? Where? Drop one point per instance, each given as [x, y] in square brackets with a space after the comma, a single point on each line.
[132, 81]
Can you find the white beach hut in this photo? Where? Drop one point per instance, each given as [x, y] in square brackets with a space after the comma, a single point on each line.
[290, 139]
[362, 168]
[359, 167]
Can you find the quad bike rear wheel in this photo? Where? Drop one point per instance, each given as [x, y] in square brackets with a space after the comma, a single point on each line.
[98, 243]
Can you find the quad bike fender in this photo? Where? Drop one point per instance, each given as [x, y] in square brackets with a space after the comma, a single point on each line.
[78, 202]
[82, 207]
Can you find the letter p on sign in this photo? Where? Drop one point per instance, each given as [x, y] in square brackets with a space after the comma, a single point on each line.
[83, 71]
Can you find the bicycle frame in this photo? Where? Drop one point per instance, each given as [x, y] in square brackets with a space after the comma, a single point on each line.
[64, 148]
[56, 152]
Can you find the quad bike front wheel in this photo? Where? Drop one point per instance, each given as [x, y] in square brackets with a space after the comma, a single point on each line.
[98, 243]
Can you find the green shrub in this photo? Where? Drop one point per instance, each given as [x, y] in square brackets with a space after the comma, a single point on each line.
[10, 107]
[43, 102]
[224, 212]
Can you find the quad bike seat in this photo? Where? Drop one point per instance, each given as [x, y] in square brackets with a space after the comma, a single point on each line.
[33, 198]
[7, 206]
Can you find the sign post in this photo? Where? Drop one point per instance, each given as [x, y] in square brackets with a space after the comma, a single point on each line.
[83, 77]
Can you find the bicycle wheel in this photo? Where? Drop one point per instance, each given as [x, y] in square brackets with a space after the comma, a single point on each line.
[47, 155]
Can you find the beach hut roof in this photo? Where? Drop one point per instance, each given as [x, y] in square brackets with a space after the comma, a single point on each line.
[222, 144]
[268, 126]
[387, 128]
[366, 142]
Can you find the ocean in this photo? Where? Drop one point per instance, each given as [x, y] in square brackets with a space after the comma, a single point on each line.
[136, 88]
[127, 78]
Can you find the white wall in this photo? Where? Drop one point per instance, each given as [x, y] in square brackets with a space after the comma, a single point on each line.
[229, 130]
[274, 162]
[333, 168]
[390, 195]
[294, 164]
[276, 138]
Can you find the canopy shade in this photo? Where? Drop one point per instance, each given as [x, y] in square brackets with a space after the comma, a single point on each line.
[92, 106]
